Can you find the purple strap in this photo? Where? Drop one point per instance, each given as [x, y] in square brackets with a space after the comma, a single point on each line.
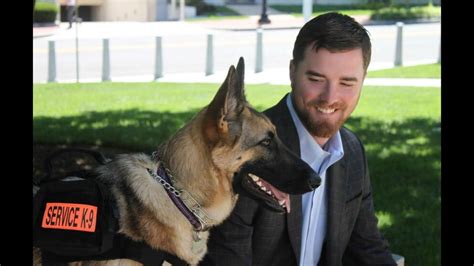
[179, 202]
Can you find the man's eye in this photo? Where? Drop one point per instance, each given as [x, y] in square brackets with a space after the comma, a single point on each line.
[347, 84]
[315, 80]
[265, 142]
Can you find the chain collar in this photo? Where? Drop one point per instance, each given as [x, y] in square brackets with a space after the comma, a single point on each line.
[183, 200]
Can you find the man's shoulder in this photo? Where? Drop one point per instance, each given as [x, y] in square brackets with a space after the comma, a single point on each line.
[277, 109]
[348, 134]
[350, 139]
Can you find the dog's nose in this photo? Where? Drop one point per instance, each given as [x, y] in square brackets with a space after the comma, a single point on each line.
[314, 181]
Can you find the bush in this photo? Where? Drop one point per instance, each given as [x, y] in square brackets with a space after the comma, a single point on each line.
[201, 7]
[404, 13]
[44, 12]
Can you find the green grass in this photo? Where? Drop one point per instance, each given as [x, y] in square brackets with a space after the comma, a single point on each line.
[400, 127]
[418, 71]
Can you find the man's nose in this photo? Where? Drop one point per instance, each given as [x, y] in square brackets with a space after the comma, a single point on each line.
[329, 92]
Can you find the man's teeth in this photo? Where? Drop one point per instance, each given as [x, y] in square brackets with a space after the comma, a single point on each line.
[326, 110]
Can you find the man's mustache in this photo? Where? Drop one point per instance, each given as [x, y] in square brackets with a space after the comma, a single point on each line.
[325, 104]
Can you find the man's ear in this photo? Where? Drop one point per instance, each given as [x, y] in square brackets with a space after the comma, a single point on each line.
[292, 72]
[226, 106]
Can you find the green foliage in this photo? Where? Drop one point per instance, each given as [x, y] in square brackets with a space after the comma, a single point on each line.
[221, 12]
[44, 12]
[400, 12]
[319, 9]
[201, 7]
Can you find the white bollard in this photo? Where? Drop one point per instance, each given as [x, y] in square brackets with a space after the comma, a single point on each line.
[439, 55]
[399, 44]
[259, 56]
[307, 10]
[158, 58]
[210, 55]
[105, 60]
[77, 51]
[51, 62]
[182, 7]
[173, 15]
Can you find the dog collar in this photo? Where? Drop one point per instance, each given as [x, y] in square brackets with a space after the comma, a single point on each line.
[183, 200]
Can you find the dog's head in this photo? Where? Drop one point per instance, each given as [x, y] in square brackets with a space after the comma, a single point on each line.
[244, 144]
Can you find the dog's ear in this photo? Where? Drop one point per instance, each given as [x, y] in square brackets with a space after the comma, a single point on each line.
[236, 94]
[221, 118]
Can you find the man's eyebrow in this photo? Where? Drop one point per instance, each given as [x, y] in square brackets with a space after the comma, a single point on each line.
[314, 73]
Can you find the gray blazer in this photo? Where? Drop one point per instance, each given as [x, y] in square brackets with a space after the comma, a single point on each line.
[253, 235]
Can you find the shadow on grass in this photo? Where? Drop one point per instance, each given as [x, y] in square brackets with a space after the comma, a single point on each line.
[131, 129]
[405, 168]
[404, 161]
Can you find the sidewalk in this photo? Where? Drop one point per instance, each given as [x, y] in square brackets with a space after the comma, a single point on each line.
[97, 30]
[44, 31]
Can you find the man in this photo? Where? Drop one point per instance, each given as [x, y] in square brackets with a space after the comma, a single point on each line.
[335, 224]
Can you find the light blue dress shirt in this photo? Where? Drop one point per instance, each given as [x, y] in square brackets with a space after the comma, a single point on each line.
[314, 203]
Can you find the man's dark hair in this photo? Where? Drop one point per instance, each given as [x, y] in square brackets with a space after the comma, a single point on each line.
[334, 32]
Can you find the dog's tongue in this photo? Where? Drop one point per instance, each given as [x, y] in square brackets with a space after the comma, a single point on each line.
[278, 194]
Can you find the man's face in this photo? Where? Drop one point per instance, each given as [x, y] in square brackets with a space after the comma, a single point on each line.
[326, 87]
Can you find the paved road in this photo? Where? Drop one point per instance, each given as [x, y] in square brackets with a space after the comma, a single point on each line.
[132, 49]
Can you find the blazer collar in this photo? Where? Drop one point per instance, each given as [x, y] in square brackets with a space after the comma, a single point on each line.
[336, 189]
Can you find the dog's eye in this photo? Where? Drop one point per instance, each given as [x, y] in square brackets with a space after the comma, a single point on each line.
[266, 142]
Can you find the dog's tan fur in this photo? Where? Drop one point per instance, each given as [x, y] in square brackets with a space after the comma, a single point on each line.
[203, 157]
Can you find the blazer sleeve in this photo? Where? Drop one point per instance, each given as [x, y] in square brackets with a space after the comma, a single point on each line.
[230, 243]
[367, 245]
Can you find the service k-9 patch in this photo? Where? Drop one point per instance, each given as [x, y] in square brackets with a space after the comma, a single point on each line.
[70, 216]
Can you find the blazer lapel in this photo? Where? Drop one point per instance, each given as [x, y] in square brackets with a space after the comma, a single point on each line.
[286, 130]
[336, 189]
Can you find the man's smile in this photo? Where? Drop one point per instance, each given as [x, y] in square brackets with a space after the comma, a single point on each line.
[326, 110]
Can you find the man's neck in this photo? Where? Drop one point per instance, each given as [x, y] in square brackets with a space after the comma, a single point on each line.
[321, 141]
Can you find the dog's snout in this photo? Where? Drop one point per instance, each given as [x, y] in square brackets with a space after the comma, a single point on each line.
[314, 181]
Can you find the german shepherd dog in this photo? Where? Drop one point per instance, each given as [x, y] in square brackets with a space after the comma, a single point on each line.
[227, 149]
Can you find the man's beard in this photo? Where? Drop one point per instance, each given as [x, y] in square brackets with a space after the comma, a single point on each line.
[321, 128]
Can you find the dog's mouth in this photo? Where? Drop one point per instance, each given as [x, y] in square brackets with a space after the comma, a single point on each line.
[272, 197]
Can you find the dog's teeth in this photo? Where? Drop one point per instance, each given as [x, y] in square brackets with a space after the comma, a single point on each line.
[263, 188]
[259, 183]
[282, 203]
[254, 177]
[269, 192]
